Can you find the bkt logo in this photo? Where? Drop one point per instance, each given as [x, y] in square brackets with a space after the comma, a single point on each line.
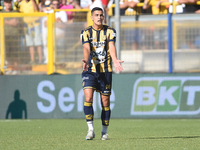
[166, 96]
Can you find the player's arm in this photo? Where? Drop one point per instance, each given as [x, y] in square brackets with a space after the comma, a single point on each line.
[113, 53]
[86, 54]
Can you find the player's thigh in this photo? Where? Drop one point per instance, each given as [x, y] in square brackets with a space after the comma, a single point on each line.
[105, 81]
[89, 80]
[89, 85]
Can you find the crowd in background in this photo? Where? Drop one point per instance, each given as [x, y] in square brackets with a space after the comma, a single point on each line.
[186, 6]
[34, 40]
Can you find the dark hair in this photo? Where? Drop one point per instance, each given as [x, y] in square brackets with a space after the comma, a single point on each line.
[8, 1]
[96, 8]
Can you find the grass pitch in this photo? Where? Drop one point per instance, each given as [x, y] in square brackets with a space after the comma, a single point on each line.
[69, 134]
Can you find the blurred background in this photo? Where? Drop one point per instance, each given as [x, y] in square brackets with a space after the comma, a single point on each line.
[155, 36]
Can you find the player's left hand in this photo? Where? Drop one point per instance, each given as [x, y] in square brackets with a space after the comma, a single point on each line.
[117, 65]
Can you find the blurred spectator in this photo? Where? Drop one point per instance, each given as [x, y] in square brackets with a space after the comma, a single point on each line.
[8, 9]
[32, 29]
[64, 5]
[179, 8]
[76, 4]
[131, 7]
[133, 36]
[191, 38]
[45, 7]
[79, 16]
[12, 39]
[137, 38]
[85, 3]
[60, 18]
[190, 6]
[17, 4]
[105, 4]
[128, 4]
[160, 33]
[156, 9]
[147, 10]
[124, 5]
[96, 3]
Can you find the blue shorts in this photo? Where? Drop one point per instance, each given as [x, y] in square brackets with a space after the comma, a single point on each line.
[101, 82]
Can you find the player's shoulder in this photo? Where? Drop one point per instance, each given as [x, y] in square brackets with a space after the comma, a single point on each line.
[109, 28]
[87, 28]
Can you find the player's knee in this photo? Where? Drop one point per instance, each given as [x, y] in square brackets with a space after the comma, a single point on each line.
[105, 103]
[89, 99]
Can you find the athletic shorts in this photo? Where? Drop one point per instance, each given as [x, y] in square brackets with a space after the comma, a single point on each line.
[101, 82]
[33, 36]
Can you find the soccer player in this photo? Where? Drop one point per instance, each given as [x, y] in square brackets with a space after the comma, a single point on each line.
[98, 43]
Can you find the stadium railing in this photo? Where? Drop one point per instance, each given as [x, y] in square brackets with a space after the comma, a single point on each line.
[142, 51]
[139, 5]
[62, 41]
[144, 42]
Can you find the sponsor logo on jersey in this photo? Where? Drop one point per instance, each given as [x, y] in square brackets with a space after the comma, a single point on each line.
[103, 37]
[98, 44]
[93, 38]
[99, 54]
[85, 78]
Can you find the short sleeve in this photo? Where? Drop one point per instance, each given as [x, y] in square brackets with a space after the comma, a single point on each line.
[84, 37]
[112, 36]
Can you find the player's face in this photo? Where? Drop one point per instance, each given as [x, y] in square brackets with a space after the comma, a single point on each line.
[97, 17]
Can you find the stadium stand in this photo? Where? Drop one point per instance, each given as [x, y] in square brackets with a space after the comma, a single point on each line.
[138, 34]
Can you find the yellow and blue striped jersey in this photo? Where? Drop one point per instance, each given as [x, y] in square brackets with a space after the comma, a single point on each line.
[100, 59]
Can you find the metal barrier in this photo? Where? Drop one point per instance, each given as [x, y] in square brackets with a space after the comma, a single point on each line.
[68, 47]
[60, 43]
[15, 56]
[152, 3]
[144, 43]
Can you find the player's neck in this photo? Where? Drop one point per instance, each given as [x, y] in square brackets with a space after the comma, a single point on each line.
[96, 27]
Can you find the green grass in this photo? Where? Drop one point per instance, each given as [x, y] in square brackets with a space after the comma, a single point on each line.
[136, 134]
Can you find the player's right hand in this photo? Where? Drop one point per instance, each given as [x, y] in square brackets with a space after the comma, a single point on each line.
[85, 65]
